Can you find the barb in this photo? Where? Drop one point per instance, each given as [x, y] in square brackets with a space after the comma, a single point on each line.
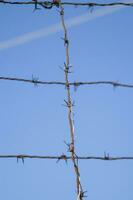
[64, 157]
[75, 83]
[49, 4]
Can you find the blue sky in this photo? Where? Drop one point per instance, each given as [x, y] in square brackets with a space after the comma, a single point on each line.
[33, 120]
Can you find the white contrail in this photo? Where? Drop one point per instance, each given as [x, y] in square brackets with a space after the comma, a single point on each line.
[57, 27]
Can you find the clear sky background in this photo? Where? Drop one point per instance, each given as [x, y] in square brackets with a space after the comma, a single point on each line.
[34, 121]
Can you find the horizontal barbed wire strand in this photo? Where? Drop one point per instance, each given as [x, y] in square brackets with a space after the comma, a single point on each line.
[49, 3]
[64, 157]
[75, 83]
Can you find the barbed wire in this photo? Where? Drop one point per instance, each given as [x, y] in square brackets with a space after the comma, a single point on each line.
[68, 102]
[106, 157]
[49, 4]
[69, 105]
[36, 81]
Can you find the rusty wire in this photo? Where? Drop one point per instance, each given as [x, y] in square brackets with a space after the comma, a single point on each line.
[69, 104]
